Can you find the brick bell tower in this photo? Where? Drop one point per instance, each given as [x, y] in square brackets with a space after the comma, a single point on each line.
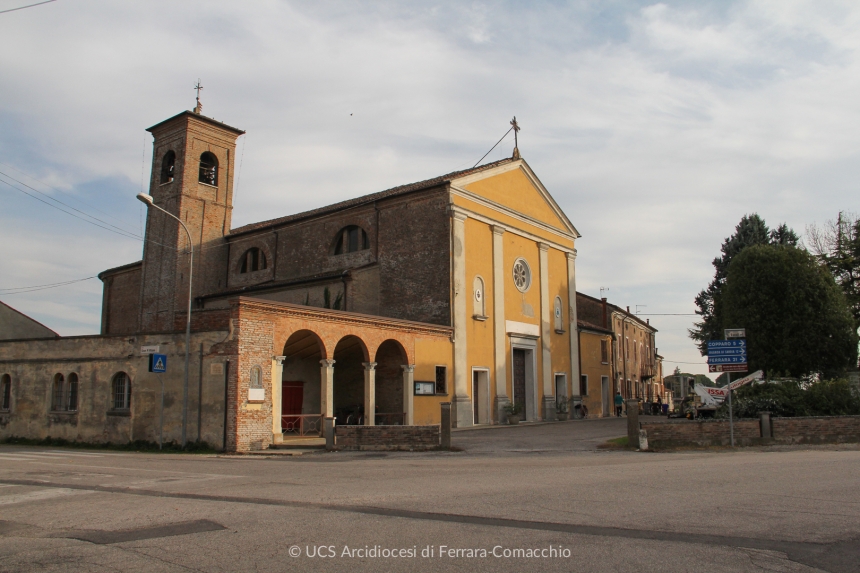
[192, 178]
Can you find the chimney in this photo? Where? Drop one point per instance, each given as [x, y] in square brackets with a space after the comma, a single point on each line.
[647, 321]
[628, 310]
[605, 324]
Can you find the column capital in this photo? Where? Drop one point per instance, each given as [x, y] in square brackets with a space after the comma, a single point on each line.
[279, 359]
[543, 247]
[408, 367]
[571, 256]
[498, 229]
[369, 365]
[327, 363]
[458, 215]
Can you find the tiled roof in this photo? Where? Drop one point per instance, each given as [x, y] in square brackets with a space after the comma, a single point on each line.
[393, 192]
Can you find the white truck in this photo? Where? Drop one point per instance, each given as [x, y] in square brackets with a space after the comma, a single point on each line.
[706, 400]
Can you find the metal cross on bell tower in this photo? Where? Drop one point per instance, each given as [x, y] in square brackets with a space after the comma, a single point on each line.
[199, 106]
[516, 127]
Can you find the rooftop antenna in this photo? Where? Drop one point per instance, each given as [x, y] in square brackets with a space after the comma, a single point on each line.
[199, 106]
[603, 289]
[516, 127]
[640, 305]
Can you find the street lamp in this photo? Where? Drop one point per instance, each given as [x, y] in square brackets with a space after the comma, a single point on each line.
[143, 197]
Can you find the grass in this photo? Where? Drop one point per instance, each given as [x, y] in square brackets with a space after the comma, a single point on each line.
[621, 443]
[135, 446]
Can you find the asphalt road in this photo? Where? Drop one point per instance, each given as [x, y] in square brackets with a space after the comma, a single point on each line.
[542, 498]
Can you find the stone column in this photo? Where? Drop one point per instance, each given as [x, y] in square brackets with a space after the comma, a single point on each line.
[501, 369]
[461, 403]
[369, 393]
[574, 332]
[408, 392]
[277, 388]
[545, 334]
[327, 387]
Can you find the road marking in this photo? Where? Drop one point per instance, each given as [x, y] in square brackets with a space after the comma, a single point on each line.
[40, 495]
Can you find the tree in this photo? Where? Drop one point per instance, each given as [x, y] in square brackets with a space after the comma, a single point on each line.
[796, 318]
[752, 230]
[836, 244]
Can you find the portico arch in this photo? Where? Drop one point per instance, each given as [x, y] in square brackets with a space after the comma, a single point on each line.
[393, 380]
[350, 356]
[300, 390]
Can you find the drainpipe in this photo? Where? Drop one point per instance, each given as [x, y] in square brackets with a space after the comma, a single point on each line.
[226, 398]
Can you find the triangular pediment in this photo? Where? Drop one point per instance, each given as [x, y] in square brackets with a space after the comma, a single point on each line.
[514, 187]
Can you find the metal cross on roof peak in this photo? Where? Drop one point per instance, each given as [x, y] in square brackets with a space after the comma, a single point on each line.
[198, 87]
[516, 127]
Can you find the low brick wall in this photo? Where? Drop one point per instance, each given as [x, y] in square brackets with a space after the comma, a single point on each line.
[387, 437]
[675, 433]
[816, 430]
[811, 430]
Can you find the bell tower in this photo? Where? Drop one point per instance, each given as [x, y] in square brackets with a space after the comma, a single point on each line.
[192, 178]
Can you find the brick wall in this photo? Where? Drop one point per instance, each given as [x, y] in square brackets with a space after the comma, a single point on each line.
[387, 437]
[700, 433]
[121, 301]
[811, 430]
[816, 430]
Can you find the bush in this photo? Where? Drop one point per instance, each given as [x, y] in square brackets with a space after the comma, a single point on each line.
[792, 398]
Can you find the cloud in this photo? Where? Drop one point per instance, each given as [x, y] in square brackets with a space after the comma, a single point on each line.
[655, 126]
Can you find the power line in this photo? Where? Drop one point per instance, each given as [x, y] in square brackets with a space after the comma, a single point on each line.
[72, 196]
[19, 290]
[27, 6]
[64, 204]
[120, 232]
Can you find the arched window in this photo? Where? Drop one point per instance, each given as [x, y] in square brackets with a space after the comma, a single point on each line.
[478, 303]
[72, 393]
[58, 393]
[5, 392]
[208, 168]
[351, 239]
[558, 315]
[253, 260]
[168, 162]
[120, 391]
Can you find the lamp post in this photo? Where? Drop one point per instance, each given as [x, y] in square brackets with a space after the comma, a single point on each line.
[143, 197]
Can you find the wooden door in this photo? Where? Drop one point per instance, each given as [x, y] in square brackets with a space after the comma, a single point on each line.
[520, 378]
[292, 396]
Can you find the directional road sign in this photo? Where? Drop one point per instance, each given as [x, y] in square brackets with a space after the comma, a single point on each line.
[158, 363]
[727, 351]
[740, 343]
[728, 368]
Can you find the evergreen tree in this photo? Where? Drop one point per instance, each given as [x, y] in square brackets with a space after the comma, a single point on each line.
[752, 230]
[796, 318]
[836, 244]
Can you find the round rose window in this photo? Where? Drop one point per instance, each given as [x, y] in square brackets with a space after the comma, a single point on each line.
[522, 275]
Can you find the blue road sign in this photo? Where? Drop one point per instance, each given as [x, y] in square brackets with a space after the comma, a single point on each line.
[727, 359]
[726, 351]
[158, 363]
[715, 344]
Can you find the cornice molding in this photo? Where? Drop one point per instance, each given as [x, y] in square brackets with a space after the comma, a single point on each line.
[341, 317]
[508, 229]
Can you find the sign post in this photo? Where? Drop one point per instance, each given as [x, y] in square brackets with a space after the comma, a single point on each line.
[158, 366]
[729, 355]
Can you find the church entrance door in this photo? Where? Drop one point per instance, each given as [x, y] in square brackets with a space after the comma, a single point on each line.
[520, 377]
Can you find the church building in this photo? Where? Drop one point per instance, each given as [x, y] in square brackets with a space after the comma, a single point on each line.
[372, 311]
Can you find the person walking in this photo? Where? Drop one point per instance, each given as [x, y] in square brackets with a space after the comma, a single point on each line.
[619, 401]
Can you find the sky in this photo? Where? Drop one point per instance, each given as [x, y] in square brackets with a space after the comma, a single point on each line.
[655, 126]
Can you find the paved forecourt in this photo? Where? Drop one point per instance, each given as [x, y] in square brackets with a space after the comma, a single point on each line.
[538, 498]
